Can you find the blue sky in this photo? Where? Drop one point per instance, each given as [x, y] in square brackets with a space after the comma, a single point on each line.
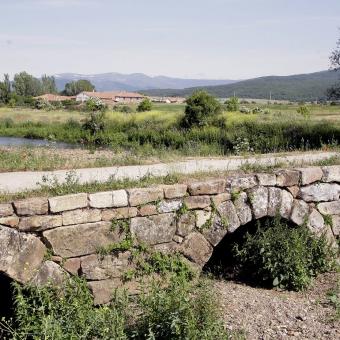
[232, 39]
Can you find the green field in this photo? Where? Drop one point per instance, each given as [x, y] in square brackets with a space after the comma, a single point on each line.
[158, 134]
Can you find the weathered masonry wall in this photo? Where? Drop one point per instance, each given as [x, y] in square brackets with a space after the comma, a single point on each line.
[44, 239]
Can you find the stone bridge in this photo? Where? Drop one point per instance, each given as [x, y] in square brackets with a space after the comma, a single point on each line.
[43, 239]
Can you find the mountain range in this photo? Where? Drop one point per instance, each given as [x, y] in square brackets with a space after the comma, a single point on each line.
[300, 87]
[135, 81]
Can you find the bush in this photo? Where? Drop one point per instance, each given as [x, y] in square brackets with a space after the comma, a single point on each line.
[200, 109]
[181, 310]
[278, 255]
[304, 111]
[93, 105]
[232, 104]
[144, 105]
[95, 122]
[124, 109]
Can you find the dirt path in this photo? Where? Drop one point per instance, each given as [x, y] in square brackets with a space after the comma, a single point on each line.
[269, 314]
[20, 181]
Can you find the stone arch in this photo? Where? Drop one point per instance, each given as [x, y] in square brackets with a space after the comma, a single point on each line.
[246, 206]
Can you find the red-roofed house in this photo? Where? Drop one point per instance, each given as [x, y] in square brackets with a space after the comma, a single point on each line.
[49, 97]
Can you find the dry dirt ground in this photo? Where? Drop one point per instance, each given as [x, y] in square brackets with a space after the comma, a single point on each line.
[271, 314]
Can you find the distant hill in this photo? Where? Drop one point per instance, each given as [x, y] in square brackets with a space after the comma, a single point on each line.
[300, 87]
[135, 81]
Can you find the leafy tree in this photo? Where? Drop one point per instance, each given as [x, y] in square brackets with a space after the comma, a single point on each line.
[200, 108]
[144, 105]
[48, 84]
[333, 93]
[75, 87]
[26, 85]
[304, 111]
[5, 90]
[233, 104]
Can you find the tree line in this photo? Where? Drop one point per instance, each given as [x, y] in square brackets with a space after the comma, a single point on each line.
[25, 85]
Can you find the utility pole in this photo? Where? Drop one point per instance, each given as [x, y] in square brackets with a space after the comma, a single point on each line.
[270, 96]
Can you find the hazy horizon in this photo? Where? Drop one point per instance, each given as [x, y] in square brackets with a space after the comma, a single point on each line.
[222, 39]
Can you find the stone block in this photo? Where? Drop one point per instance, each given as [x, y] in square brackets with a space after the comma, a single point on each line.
[10, 221]
[266, 179]
[242, 208]
[286, 206]
[209, 187]
[169, 206]
[72, 266]
[197, 202]
[109, 199]
[68, 202]
[258, 198]
[119, 213]
[39, 223]
[274, 201]
[185, 224]
[202, 217]
[148, 210]
[331, 173]
[294, 190]
[80, 216]
[145, 195]
[315, 222]
[242, 182]
[31, 206]
[329, 208]
[300, 212]
[50, 273]
[287, 178]
[336, 225]
[321, 192]
[218, 199]
[96, 268]
[225, 220]
[175, 191]
[21, 255]
[196, 248]
[82, 239]
[154, 229]
[6, 210]
[167, 248]
[310, 175]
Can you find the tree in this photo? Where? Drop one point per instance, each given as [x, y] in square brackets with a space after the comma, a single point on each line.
[333, 93]
[232, 104]
[26, 85]
[75, 87]
[48, 84]
[200, 108]
[144, 105]
[5, 90]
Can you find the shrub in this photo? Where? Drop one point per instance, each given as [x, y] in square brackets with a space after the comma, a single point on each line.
[280, 255]
[144, 105]
[232, 104]
[178, 310]
[200, 109]
[304, 111]
[93, 105]
[95, 122]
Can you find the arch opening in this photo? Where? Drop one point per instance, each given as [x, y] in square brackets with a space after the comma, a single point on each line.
[224, 263]
[6, 297]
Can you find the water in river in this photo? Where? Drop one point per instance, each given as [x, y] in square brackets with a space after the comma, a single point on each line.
[17, 141]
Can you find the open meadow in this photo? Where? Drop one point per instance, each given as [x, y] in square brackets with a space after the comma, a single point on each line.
[132, 138]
